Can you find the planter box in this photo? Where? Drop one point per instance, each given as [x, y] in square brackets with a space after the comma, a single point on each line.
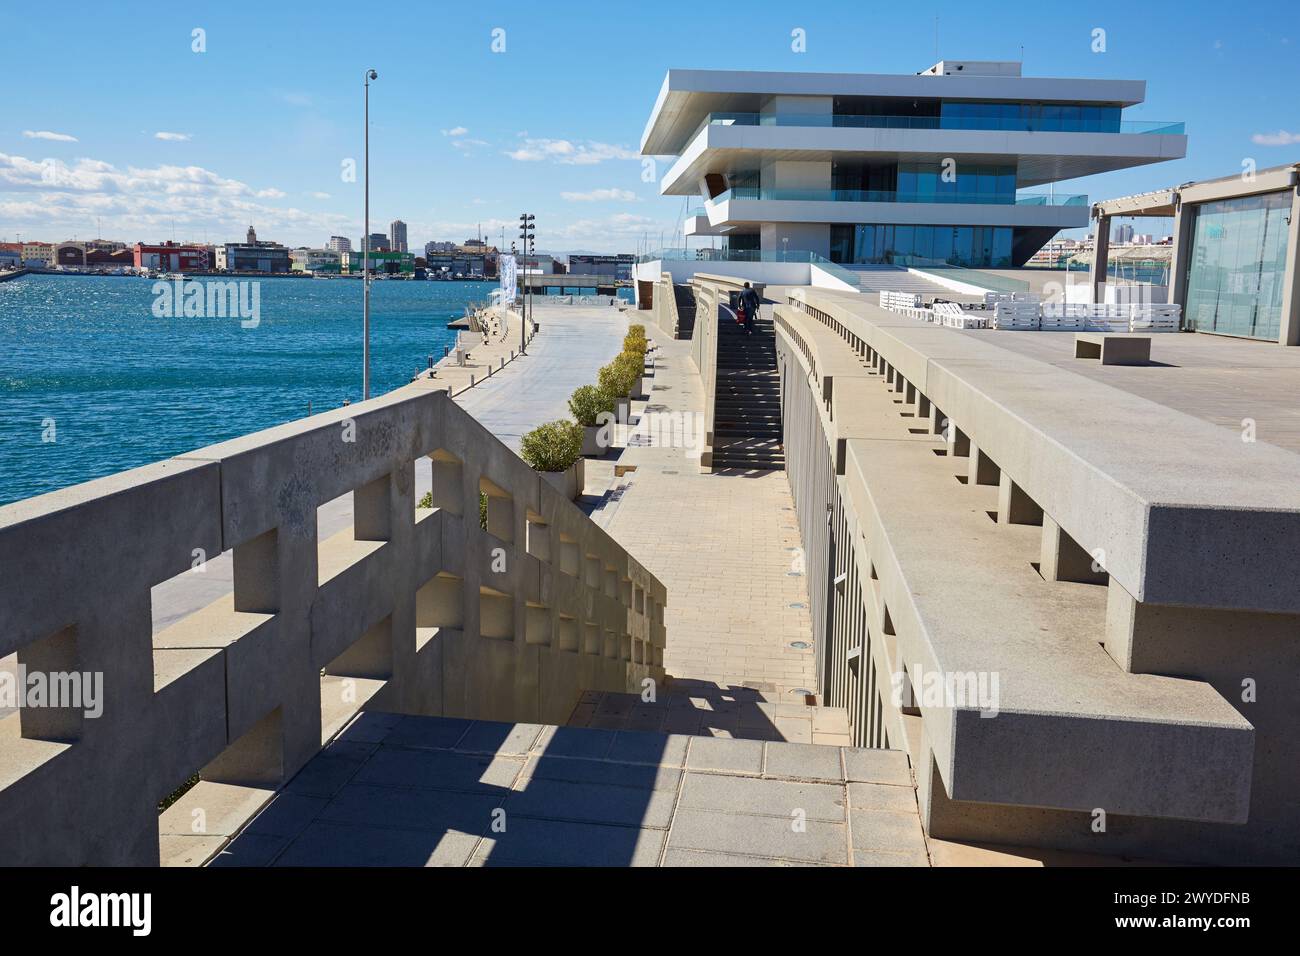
[623, 410]
[638, 388]
[568, 483]
[591, 441]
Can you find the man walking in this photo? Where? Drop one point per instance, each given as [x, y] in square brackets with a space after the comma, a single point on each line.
[749, 305]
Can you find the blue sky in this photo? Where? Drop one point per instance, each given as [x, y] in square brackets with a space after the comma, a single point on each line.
[260, 124]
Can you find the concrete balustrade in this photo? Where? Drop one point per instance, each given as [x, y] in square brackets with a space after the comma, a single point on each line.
[411, 610]
[1124, 570]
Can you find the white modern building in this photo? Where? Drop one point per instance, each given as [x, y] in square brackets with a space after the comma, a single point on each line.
[339, 244]
[954, 165]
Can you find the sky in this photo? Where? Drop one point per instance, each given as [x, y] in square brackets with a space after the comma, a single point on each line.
[114, 123]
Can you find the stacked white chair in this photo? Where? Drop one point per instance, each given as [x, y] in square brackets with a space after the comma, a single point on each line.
[1019, 316]
[1106, 317]
[1154, 317]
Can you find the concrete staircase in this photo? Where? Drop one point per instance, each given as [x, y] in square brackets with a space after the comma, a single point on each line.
[684, 297]
[747, 406]
[874, 278]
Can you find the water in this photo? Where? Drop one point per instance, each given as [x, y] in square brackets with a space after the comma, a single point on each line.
[84, 361]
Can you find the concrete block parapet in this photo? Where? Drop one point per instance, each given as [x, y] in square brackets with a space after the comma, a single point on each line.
[495, 599]
[1109, 572]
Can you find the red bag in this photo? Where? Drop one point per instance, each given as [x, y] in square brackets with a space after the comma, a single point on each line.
[740, 315]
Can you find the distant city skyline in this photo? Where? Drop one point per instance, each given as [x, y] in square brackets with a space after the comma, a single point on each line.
[229, 135]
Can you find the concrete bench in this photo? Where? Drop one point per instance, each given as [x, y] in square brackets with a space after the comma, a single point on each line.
[1121, 348]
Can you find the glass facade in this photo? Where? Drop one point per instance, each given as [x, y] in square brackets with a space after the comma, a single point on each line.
[977, 246]
[1046, 117]
[1236, 267]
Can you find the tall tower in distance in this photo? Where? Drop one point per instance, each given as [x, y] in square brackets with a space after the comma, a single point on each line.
[252, 235]
[397, 236]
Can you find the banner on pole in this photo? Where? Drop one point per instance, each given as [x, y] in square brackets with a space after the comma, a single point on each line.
[509, 279]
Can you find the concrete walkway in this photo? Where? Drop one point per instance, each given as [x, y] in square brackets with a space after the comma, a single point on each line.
[431, 791]
[725, 545]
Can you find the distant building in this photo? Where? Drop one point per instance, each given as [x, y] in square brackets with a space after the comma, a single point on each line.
[433, 248]
[11, 255]
[315, 260]
[1121, 234]
[339, 244]
[383, 261]
[378, 242]
[104, 260]
[459, 264]
[169, 257]
[253, 257]
[69, 255]
[616, 267]
[38, 255]
[397, 236]
[539, 263]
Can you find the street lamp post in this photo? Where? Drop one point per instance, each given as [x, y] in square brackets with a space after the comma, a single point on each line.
[365, 257]
[525, 234]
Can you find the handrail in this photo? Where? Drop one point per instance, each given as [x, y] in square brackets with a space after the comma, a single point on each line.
[415, 610]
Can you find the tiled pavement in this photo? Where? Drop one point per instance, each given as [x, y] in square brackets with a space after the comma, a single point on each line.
[417, 791]
[701, 708]
[726, 546]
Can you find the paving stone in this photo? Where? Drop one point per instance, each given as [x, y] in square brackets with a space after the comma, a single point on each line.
[530, 842]
[885, 797]
[369, 727]
[325, 775]
[864, 765]
[572, 742]
[182, 850]
[423, 810]
[805, 761]
[589, 802]
[677, 857]
[490, 736]
[439, 770]
[780, 798]
[250, 849]
[896, 832]
[579, 770]
[331, 844]
[287, 815]
[637, 747]
[434, 733]
[881, 858]
[746, 835]
[738, 756]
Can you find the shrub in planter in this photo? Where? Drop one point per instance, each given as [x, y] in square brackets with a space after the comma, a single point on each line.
[636, 331]
[587, 403]
[634, 345]
[616, 379]
[427, 502]
[554, 446]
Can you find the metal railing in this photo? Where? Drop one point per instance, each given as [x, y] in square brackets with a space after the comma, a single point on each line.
[893, 196]
[1002, 124]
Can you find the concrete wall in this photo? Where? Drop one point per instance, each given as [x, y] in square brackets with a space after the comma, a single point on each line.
[963, 518]
[412, 610]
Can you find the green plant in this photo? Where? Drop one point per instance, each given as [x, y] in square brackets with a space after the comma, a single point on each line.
[587, 403]
[427, 502]
[636, 331]
[633, 366]
[553, 446]
[637, 346]
[614, 379]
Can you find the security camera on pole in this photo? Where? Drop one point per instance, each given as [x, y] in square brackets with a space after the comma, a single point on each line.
[526, 234]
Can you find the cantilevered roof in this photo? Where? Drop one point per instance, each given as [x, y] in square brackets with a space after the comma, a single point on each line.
[687, 96]
[1165, 202]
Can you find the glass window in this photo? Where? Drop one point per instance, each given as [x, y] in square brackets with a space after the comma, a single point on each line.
[1236, 266]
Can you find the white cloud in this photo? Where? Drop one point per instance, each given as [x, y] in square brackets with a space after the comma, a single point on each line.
[319, 195]
[172, 137]
[569, 153]
[46, 134]
[1280, 138]
[455, 131]
[57, 199]
[601, 195]
[468, 143]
